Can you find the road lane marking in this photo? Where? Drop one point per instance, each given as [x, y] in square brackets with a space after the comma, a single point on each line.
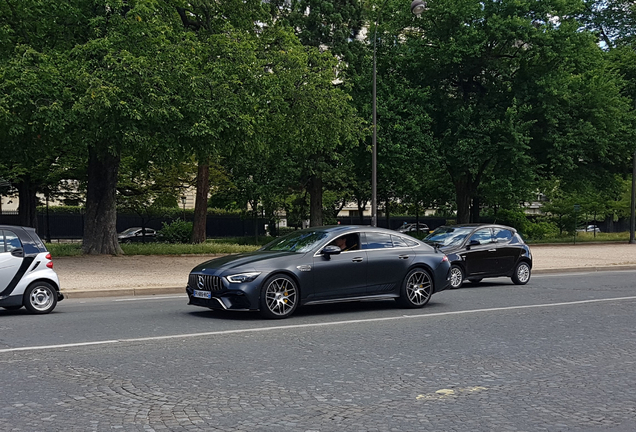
[300, 326]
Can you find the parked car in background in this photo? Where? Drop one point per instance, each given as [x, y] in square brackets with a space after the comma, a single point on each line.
[136, 234]
[590, 228]
[478, 251]
[412, 227]
[322, 265]
[27, 277]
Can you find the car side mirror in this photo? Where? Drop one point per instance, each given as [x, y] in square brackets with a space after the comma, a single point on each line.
[473, 243]
[330, 250]
[18, 252]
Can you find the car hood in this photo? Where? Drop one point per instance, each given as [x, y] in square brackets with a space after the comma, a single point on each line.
[251, 259]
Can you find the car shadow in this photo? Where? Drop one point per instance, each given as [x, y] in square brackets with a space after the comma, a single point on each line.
[486, 284]
[340, 308]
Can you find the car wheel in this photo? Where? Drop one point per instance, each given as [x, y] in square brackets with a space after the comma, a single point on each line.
[521, 276]
[279, 297]
[475, 281]
[12, 308]
[416, 290]
[456, 276]
[40, 297]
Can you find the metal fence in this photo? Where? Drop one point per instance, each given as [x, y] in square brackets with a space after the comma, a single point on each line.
[71, 225]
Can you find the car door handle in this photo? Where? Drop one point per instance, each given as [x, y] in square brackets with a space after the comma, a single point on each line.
[357, 259]
[492, 250]
[403, 257]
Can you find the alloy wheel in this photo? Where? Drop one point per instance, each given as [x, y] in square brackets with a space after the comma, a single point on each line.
[418, 288]
[280, 296]
[523, 272]
[456, 277]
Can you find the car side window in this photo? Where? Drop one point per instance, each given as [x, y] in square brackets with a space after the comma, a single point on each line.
[502, 235]
[348, 242]
[377, 240]
[399, 241]
[483, 236]
[11, 241]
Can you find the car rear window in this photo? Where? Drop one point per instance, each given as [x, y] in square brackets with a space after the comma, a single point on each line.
[38, 241]
[502, 235]
[377, 240]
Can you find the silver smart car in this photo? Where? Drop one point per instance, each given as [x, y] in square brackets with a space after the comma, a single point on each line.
[27, 277]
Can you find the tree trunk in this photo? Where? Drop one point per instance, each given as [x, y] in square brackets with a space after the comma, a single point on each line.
[362, 205]
[315, 199]
[387, 205]
[27, 211]
[100, 228]
[462, 196]
[201, 203]
[474, 210]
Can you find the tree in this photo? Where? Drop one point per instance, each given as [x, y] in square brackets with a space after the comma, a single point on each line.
[507, 85]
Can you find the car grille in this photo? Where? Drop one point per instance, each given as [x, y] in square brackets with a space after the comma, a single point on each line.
[205, 282]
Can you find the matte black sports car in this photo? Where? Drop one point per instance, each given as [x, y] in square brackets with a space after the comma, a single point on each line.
[322, 265]
[478, 251]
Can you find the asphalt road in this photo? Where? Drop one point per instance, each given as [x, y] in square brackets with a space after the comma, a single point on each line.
[558, 354]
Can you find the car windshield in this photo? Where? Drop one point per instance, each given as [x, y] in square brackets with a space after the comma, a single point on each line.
[301, 241]
[129, 230]
[447, 236]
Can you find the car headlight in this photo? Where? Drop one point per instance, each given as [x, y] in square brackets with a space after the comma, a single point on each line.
[242, 277]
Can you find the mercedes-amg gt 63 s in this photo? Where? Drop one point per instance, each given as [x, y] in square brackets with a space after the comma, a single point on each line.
[322, 265]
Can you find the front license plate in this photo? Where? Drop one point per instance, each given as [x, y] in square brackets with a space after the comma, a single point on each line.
[203, 294]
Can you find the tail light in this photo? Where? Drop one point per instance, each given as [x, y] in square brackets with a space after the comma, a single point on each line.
[50, 263]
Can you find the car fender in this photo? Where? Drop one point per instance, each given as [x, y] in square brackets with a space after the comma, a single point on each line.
[37, 275]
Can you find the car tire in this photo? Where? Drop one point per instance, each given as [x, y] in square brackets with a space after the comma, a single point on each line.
[40, 297]
[456, 277]
[279, 297]
[475, 281]
[522, 273]
[12, 308]
[416, 290]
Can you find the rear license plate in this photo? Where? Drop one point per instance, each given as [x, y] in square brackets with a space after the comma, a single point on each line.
[203, 294]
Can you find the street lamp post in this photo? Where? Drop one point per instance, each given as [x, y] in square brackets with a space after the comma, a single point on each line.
[632, 225]
[183, 201]
[417, 7]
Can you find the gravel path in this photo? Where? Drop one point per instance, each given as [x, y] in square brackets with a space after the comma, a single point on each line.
[108, 272]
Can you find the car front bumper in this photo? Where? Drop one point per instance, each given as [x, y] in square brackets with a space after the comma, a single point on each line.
[225, 300]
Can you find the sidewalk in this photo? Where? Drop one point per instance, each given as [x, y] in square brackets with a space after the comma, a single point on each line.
[101, 276]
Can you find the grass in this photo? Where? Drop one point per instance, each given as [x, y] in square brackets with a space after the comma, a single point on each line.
[214, 246]
[585, 237]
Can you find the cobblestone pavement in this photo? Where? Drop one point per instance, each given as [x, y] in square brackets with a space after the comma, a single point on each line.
[562, 368]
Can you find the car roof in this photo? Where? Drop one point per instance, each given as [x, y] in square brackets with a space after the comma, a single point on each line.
[348, 228]
[480, 225]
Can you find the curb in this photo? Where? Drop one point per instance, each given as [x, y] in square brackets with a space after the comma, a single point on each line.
[158, 290]
[584, 269]
[122, 292]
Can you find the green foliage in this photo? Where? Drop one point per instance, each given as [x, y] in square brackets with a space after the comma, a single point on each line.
[540, 230]
[177, 231]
